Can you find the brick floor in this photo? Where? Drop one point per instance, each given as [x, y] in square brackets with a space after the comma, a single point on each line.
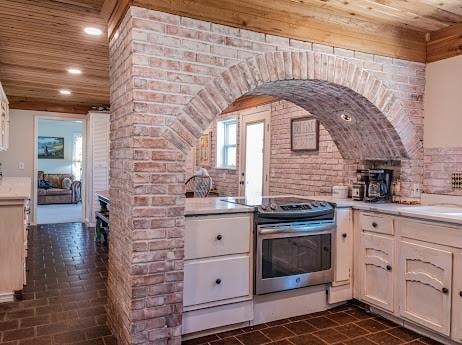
[346, 325]
[65, 296]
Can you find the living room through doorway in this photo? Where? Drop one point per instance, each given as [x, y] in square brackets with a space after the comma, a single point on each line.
[59, 162]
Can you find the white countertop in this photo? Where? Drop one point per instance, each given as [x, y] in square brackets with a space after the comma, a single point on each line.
[15, 188]
[442, 213]
[204, 206]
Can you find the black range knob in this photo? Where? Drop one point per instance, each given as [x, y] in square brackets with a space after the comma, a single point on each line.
[219, 237]
[218, 281]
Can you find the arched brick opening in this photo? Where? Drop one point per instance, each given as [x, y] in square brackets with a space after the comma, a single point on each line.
[326, 86]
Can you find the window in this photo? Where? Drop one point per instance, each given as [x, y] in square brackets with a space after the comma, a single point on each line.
[226, 144]
[77, 156]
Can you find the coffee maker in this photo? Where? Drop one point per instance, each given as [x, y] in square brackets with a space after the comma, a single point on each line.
[360, 187]
[379, 189]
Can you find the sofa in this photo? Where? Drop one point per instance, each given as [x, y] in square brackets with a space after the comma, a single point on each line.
[58, 189]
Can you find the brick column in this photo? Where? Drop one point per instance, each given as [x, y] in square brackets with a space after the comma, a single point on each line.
[145, 279]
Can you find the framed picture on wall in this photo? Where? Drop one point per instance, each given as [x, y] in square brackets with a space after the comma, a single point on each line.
[50, 148]
[304, 134]
[204, 149]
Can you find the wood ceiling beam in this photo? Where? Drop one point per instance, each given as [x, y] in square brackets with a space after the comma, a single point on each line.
[445, 43]
[113, 11]
[29, 103]
[246, 14]
[249, 101]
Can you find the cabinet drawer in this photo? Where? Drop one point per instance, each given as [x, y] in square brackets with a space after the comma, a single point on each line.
[207, 236]
[376, 223]
[224, 315]
[209, 280]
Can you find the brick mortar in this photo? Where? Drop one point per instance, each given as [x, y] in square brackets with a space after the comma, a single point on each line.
[161, 105]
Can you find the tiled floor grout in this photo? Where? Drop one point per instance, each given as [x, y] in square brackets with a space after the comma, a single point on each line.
[324, 330]
[65, 296]
[64, 303]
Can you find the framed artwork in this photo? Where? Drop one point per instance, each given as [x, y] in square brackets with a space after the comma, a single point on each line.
[204, 149]
[304, 134]
[50, 148]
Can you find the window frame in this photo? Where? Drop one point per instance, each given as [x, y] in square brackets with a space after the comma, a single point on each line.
[224, 125]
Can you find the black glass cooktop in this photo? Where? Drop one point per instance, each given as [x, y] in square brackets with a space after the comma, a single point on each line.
[257, 201]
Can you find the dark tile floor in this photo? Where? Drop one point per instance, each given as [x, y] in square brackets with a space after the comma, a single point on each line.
[64, 303]
[345, 325]
[65, 296]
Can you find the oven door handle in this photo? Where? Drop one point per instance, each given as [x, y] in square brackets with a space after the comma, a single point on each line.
[318, 229]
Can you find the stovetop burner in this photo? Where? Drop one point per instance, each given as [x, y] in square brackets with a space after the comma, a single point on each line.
[286, 208]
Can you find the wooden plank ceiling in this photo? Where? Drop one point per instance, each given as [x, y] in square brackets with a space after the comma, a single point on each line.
[41, 39]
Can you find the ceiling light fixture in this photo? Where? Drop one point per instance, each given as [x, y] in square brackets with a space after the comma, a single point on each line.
[65, 92]
[346, 117]
[74, 71]
[93, 31]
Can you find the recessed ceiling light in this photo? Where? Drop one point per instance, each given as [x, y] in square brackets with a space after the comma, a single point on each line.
[65, 92]
[74, 71]
[93, 31]
[346, 117]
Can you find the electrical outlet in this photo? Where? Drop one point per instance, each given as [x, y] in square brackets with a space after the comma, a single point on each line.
[456, 180]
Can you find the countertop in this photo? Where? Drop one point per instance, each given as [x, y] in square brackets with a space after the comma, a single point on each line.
[441, 213]
[204, 206]
[15, 188]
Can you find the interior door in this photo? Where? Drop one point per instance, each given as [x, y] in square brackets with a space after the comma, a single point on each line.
[425, 280]
[254, 155]
[377, 270]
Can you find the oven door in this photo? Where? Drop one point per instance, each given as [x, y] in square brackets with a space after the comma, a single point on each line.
[293, 255]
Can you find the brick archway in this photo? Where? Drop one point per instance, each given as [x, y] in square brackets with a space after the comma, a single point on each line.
[170, 78]
[326, 86]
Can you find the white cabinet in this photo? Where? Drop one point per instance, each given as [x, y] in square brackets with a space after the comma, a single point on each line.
[376, 269]
[4, 120]
[457, 298]
[216, 236]
[217, 271]
[425, 282]
[216, 279]
[13, 245]
[343, 246]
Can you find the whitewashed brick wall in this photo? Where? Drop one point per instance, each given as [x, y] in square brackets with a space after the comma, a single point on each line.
[439, 164]
[170, 77]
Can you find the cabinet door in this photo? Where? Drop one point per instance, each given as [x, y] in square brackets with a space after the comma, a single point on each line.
[377, 270]
[457, 299]
[343, 245]
[425, 283]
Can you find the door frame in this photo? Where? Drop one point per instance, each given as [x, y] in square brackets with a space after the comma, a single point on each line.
[60, 117]
[250, 116]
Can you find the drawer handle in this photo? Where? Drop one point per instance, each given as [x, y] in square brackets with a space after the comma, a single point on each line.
[218, 281]
[388, 268]
[374, 224]
[460, 294]
[344, 235]
[445, 290]
[219, 237]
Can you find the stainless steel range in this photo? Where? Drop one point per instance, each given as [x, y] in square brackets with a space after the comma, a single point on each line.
[293, 246]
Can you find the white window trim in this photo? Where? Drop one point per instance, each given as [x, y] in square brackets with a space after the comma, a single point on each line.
[225, 147]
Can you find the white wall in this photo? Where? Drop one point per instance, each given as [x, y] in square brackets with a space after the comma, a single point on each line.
[443, 104]
[63, 129]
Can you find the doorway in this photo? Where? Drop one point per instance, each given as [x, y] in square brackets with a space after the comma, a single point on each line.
[59, 170]
[255, 152]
